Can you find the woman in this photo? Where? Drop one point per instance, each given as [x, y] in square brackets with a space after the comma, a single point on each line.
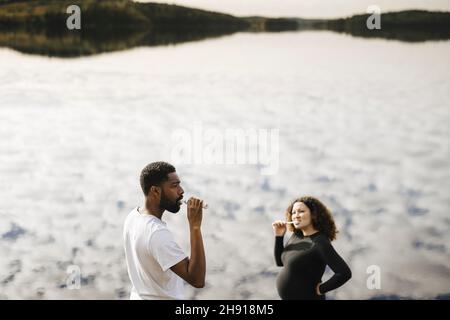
[308, 252]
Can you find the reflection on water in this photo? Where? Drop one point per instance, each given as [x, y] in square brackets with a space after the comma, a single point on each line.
[363, 126]
[39, 27]
[119, 25]
[409, 25]
[73, 44]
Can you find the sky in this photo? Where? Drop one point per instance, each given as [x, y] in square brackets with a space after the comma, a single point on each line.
[307, 8]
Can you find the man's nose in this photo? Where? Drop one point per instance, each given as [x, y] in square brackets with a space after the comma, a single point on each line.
[181, 191]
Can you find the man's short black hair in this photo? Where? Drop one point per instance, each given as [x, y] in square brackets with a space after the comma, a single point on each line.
[154, 174]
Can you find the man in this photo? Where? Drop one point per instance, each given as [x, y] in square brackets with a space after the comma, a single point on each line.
[156, 264]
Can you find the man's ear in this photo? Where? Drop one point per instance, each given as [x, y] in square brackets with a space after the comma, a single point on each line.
[155, 190]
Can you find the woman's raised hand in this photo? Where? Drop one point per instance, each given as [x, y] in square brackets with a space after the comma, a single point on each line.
[279, 228]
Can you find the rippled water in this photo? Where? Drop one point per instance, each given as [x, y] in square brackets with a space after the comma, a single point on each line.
[363, 125]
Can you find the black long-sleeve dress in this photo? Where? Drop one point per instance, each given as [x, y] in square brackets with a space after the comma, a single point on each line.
[304, 259]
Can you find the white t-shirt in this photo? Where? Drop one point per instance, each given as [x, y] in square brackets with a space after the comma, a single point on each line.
[150, 251]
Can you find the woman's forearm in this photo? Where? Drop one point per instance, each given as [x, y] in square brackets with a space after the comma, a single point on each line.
[279, 247]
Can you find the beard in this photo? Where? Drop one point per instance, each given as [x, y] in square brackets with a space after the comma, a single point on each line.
[167, 204]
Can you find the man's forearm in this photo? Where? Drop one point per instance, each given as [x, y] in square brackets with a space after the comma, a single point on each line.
[197, 262]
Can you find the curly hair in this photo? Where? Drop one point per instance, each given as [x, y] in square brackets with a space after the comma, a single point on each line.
[154, 174]
[321, 217]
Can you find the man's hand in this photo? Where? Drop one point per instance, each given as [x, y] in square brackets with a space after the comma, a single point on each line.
[193, 269]
[195, 212]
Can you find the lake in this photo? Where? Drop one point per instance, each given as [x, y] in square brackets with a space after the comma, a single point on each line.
[361, 123]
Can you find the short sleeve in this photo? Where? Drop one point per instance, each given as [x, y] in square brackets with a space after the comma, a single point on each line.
[164, 249]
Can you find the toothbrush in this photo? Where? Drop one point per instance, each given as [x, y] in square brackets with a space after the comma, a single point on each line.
[204, 206]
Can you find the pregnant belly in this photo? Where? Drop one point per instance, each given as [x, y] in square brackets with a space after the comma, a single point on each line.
[294, 286]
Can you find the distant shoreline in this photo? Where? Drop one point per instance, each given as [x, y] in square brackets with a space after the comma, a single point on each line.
[118, 14]
[39, 26]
